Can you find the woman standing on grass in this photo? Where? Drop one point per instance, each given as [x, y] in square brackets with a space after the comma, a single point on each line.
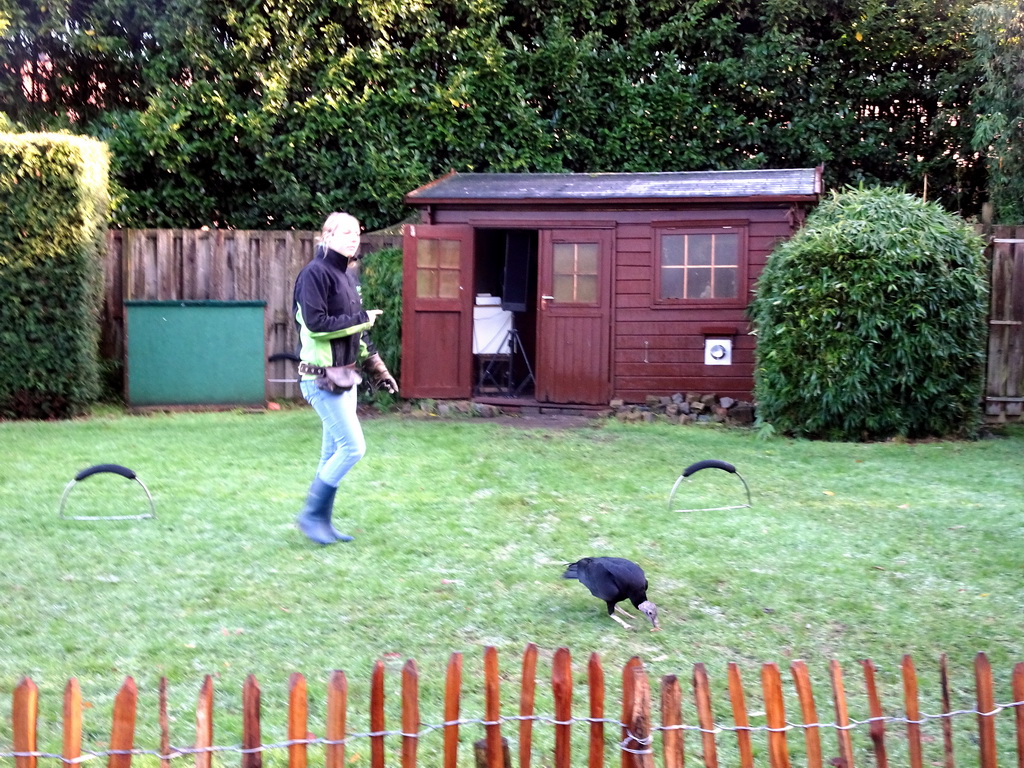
[334, 341]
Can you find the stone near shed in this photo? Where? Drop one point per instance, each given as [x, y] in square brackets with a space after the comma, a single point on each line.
[726, 402]
[653, 401]
[678, 399]
[617, 403]
[741, 414]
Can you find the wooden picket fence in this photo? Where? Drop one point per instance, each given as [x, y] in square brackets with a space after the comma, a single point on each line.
[639, 740]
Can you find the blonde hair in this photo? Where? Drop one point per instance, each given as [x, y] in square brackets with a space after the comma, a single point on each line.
[336, 221]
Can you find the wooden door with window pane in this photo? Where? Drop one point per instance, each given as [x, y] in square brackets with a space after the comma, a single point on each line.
[574, 324]
[437, 311]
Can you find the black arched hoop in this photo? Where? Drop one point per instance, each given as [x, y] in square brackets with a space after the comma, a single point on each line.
[117, 469]
[708, 464]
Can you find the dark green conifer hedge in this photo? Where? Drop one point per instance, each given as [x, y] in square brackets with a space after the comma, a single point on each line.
[53, 191]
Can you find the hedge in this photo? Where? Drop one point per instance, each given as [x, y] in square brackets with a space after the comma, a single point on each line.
[54, 189]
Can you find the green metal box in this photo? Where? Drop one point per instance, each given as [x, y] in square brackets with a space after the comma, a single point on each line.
[195, 353]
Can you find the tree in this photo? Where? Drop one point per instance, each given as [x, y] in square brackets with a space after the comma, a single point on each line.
[870, 322]
[266, 114]
[999, 132]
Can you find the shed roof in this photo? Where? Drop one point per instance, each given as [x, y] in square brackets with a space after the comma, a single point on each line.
[788, 184]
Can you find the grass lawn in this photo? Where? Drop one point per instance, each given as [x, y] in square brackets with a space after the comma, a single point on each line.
[850, 551]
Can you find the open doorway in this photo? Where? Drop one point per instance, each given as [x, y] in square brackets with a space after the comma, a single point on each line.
[505, 312]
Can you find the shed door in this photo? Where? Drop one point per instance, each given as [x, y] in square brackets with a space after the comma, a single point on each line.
[573, 334]
[437, 311]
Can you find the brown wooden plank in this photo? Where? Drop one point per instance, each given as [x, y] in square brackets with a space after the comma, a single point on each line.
[410, 713]
[452, 693]
[947, 720]
[336, 728]
[250, 254]
[165, 725]
[673, 749]
[595, 686]
[987, 755]
[492, 707]
[132, 271]
[276, 284]
[1017, 687]
[112, 328]
[122, 733]
[168, 274]
[71, 748]
[561, 687]
[217, 275]
[705, 716]
[252, 754]
[377, 715]
[190, 272]
[298, 721]
[24, 721]
[1015, 356]
[739, 715]
[527, 701]
[628, 692]
[842, 714]
[775, 715]
[640, 745]
[913, 711]
[204, 725]
[877, 727]
[809, 713]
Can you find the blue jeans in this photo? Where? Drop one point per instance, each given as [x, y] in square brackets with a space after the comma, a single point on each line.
[343, 441]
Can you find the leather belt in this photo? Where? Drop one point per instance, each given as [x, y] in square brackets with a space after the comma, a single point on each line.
[308, 369]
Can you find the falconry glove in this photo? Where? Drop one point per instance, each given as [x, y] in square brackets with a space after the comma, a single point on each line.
[379, 374]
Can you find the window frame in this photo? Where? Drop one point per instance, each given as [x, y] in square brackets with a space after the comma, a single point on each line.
[435, 301]
[661, 229]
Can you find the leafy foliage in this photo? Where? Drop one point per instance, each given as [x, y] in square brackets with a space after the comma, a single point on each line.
[53, 190]
[871, 321]
[999, 132]
[267, 115]
[380, 277]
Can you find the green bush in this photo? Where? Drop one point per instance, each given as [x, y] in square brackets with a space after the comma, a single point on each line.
[53, 191]
[380, 277]
[871, 322]
[263, 115]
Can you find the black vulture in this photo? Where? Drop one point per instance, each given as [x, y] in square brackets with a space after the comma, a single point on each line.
[614, 579]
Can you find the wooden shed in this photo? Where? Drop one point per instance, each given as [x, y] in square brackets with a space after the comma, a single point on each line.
[569, 288]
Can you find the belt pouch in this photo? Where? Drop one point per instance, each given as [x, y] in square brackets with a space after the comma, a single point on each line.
[339, 378]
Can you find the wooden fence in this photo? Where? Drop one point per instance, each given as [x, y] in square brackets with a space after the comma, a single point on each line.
[246, 265]
[225, 265]
[640, 742]
[1004, 390]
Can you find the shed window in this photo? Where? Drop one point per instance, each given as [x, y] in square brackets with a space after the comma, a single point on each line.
[437, 269]
[699, 264]
[575, 273]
